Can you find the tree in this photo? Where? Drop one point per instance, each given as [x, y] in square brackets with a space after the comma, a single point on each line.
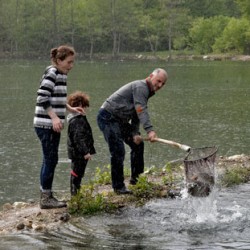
[244, 6]
[235, 37]
[83, 27]
[212, 8]
[204, 33]
[176, 20]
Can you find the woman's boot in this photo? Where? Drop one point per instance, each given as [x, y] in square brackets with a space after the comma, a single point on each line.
[48, 201]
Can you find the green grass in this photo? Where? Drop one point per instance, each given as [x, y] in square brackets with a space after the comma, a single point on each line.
[235, 176]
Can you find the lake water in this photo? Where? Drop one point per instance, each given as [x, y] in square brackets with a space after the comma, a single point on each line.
[220, 221]
[203, 104]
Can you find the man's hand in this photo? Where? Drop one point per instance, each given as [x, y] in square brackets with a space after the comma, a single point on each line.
[137, 139]
[151, 136]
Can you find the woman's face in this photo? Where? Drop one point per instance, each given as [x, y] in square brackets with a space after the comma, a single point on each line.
[66, 65]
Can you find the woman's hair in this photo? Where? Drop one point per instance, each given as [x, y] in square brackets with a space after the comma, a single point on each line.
[78, 98]
[61, 53]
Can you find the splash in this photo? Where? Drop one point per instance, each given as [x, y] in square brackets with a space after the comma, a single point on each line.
[205, 209]
[201, 210]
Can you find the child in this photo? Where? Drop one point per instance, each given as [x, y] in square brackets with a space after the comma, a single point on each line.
[80, 140]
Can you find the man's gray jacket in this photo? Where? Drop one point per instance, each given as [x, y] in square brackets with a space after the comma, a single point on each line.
[129, 104]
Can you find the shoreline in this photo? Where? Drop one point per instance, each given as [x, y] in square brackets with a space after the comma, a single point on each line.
[28, 217]
[137, 56]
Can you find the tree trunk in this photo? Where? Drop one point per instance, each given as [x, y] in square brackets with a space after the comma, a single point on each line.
[91, 48]
[114, 32]
[54, 14]
[72, 23]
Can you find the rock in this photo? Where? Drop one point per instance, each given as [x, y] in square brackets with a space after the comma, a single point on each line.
[20, 226]
[39, 228]
[29, 224]
[7, 206]
[237, 157]
[65, 217]
[18, 205]
[39, 214]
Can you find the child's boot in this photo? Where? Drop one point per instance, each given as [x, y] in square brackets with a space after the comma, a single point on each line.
[73, 187]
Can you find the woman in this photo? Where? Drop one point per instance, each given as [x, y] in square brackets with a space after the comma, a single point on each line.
[49, 118]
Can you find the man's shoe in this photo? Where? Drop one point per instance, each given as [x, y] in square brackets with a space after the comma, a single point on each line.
[122, 190]
[48, 201]
[132, 181]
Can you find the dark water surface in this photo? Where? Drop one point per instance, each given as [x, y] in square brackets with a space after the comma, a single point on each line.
[203, 104]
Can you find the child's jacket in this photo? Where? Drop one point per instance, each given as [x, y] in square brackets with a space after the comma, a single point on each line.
[80, 138]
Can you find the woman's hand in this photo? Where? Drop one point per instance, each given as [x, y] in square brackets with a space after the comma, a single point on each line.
[80, 110]
[57, 124]
[56, 121]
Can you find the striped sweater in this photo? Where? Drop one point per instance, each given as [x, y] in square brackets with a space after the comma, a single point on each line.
[52, 93]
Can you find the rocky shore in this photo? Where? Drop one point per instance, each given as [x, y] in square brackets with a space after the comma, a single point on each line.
[173, 57]
[22, 216]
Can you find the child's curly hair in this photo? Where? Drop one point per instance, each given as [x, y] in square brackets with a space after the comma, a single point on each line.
[78, 98]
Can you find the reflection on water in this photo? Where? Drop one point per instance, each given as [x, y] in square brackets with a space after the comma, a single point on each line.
[220, 221]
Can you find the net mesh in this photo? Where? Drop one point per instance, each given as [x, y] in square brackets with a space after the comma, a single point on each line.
[199, 167]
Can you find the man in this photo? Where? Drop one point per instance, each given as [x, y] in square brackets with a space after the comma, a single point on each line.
[119, 119]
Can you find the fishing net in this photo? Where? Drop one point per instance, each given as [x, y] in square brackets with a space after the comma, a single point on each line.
[199, 167]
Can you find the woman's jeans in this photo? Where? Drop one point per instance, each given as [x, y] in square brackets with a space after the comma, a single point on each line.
[50, 144]
[116, 133]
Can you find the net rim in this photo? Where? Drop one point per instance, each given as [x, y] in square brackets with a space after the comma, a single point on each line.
[201, 158]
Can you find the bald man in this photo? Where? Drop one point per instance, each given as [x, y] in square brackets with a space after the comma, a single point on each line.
[119, 119]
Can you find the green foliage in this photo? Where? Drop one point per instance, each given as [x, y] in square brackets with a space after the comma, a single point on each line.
[211, 8]
[244, 6]
[151, 170]
[173, 173]
[31, 28]
[103, 177]
[88, 202]
[168, 179]
[235, 37]
[235, 176]
[145, 189]
[204, 33]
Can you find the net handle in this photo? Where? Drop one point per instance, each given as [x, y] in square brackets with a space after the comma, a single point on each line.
[172, 143]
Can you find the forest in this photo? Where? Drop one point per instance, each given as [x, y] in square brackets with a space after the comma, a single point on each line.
[30, 28]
